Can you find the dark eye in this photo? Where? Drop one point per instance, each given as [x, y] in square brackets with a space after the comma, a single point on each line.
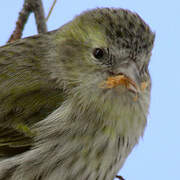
[98, 53]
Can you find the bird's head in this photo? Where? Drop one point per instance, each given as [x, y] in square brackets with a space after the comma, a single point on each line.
[105, 53]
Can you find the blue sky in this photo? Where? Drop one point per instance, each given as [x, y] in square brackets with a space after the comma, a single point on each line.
[157, 157]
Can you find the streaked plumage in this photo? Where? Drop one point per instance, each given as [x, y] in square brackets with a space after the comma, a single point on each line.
[56, 121]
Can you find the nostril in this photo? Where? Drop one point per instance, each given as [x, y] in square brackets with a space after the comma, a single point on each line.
[121, 74]
[111, 73]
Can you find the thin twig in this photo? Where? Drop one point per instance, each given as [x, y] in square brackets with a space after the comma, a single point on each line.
[120, 177]
[50, 11]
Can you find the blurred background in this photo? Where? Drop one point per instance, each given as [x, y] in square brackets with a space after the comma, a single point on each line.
[157, 155]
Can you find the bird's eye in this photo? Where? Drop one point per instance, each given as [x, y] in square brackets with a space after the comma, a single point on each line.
[98, 53]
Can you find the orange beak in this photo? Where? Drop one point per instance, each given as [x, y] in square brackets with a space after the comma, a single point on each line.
[114, 81]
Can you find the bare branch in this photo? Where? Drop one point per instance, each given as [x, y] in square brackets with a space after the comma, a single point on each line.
[29, 6]
[22, 19]
[37, 8]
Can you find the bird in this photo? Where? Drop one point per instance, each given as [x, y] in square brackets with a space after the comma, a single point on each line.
[74, 101]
